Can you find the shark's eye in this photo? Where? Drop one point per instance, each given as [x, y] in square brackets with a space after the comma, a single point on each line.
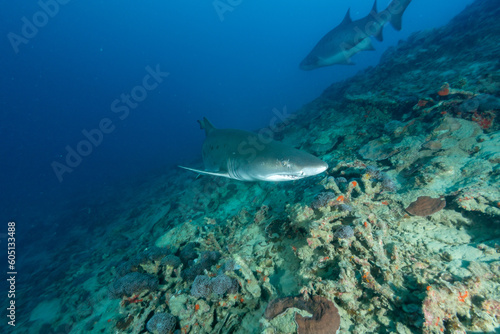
[285, 163]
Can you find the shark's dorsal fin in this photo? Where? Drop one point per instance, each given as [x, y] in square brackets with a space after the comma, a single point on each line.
[224, 174]
[347, 18]
[206, 125]
[374, 8]
[374, 13]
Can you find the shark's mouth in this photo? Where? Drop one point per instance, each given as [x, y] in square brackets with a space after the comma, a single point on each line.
[284, 177]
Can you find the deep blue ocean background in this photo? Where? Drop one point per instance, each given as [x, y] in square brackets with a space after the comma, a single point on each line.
[233, 69]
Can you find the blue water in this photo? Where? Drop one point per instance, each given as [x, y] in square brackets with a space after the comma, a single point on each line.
[233, 67]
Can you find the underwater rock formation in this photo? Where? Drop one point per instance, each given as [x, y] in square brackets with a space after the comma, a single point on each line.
[132, 283]
[207, 259]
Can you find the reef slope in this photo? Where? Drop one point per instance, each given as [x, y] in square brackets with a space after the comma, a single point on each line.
[401, 235]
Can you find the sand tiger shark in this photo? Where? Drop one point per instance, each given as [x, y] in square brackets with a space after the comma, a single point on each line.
[243, 155]
[351, 37]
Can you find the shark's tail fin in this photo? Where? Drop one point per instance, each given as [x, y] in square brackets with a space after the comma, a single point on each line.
[206, 125]
[396, 8]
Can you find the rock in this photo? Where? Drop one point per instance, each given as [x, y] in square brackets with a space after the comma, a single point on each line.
[377, 149]
[176, 236]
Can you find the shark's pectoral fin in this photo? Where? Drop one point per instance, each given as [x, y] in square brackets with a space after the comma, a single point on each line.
[223, 174]
[369, 46]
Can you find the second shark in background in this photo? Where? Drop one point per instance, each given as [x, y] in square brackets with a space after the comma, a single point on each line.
[351, 37]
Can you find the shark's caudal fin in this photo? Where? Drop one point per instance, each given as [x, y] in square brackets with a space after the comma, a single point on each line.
[206, 125]
[396, 8]
[206, 173]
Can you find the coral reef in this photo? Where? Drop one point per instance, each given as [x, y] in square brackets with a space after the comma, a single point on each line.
[161, 323]
[222, 284]
[189, 252]
[131, 284]
[324, 199]
[171, 261]
[344, 232]
[207, 259]
[201, 287]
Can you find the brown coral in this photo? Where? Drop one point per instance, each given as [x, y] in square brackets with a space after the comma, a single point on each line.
[426, 206]
[325, 316]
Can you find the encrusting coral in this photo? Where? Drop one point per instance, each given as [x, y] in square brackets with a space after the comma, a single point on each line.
[161, 323]
[132, 283]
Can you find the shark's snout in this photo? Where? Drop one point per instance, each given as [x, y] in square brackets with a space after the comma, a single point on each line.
[315, 169]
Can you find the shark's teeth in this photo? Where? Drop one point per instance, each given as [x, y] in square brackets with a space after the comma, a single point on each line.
[283, 177]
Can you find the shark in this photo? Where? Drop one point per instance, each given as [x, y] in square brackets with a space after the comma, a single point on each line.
[247, 156]
[351, 37]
